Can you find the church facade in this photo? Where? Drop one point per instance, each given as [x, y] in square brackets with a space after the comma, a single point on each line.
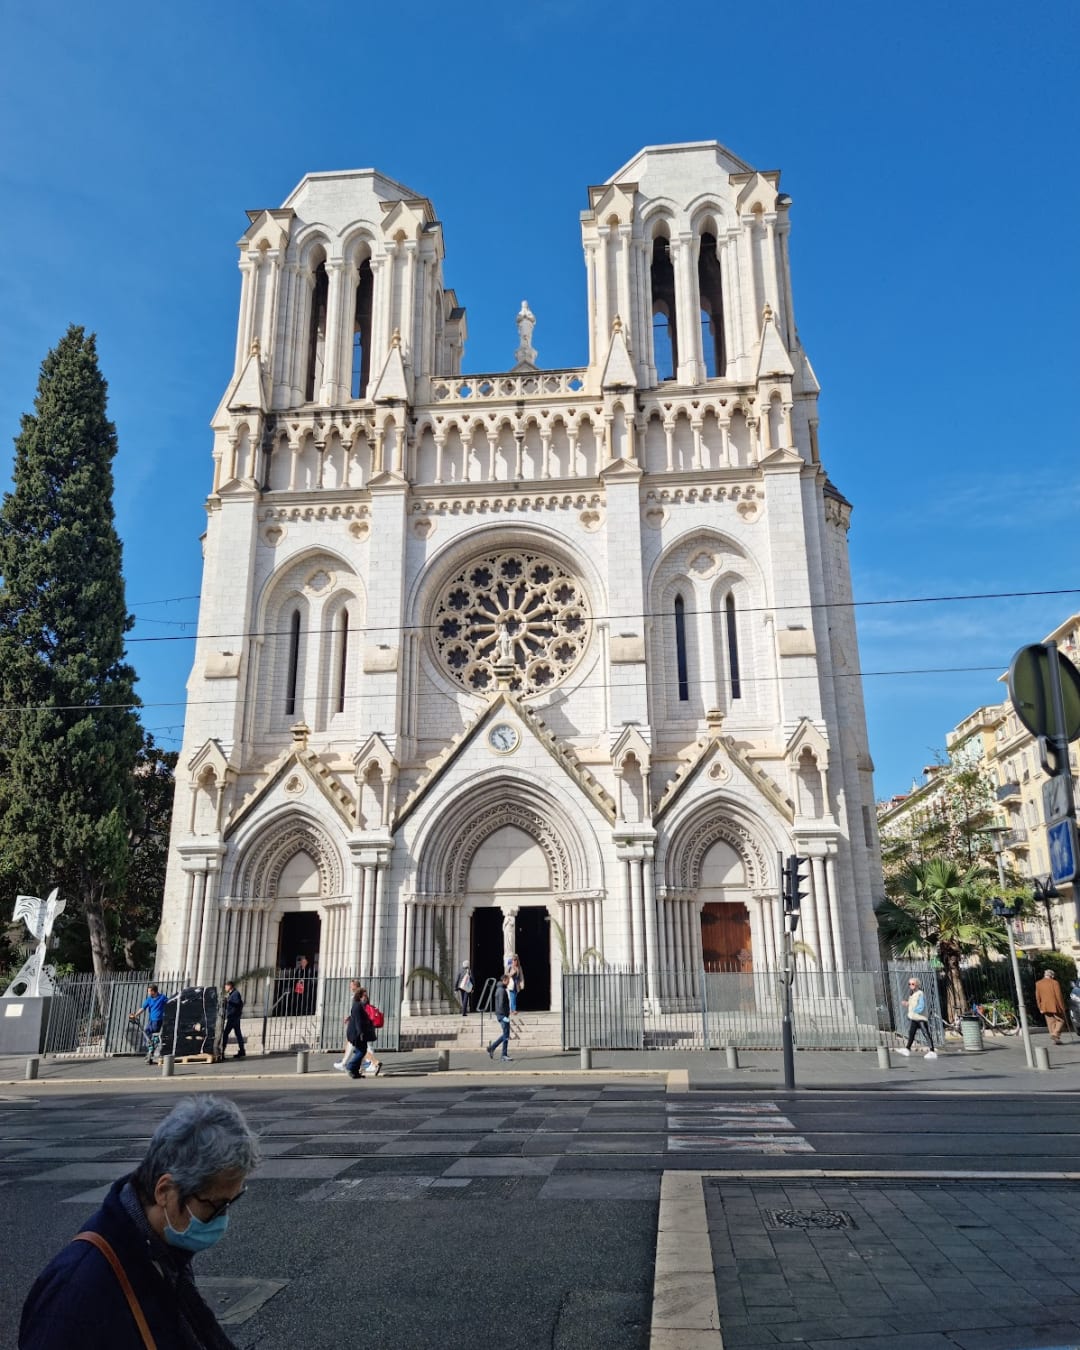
[554, 661]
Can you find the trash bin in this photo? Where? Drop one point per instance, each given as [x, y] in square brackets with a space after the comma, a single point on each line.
[971, 1029]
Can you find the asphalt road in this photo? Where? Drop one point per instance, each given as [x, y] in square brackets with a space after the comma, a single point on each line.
[396, 1216]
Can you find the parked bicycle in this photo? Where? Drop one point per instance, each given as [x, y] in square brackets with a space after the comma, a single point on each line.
[996, 1016]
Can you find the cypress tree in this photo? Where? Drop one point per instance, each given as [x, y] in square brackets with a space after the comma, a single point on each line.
[69, 734]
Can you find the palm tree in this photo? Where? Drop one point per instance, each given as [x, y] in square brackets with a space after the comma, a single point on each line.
[938, 908]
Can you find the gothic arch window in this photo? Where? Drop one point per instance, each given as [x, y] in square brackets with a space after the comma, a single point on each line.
[681, 664]
[710, 295]
[316, 346]
[361, 342]
[292, 668]
[665, 334]
[341, 662]
[731, 643]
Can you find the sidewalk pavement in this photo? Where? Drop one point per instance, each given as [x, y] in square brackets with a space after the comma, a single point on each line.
[1000, 1068]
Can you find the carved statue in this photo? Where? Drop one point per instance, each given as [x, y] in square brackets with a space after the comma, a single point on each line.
[526, 321]
[508, 926]
[39, 916]
[505, 655]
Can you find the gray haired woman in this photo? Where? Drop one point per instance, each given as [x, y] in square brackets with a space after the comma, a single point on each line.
[124, 1282]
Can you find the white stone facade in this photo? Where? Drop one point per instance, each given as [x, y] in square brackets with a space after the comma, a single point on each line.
[568, 644]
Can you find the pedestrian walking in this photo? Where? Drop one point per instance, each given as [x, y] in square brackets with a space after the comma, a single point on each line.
[517, 980]
[464, 986]
[502, 1015]
[359, 1033]
[918, 1018]
[234, 1008]
[153, 1005]
[371, 1066]
[124, 1282]
[1051, 1003]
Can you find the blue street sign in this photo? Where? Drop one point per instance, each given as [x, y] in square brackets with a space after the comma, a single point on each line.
[1061, 837]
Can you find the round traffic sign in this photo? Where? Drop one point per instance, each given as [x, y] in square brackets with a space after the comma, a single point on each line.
[1029, 689]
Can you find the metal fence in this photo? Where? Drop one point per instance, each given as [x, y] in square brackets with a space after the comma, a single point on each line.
[831, 1010]
[89, 1016]
[321, 1025]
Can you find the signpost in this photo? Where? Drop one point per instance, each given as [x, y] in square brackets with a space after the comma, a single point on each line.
[1045, 690]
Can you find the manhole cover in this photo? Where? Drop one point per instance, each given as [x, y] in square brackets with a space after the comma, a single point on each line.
[808, 1219]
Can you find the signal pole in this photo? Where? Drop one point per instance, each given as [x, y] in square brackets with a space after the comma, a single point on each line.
[791, 897]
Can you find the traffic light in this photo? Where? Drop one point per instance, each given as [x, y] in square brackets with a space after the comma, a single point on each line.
[796, 889]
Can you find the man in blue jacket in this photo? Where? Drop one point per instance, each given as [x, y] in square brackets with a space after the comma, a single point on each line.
[154, 1007]
[234, 1008]
[502, 1016]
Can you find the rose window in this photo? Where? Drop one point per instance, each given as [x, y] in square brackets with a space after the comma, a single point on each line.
[513, 611]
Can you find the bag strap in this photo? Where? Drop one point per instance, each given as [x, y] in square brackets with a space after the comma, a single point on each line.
[103, 1246]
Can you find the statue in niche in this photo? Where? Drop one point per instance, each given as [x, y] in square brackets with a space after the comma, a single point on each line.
[504, 655]
[526, 321]
[509, 935]
[39, 916]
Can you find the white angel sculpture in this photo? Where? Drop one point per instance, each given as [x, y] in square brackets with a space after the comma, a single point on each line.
[39, 917]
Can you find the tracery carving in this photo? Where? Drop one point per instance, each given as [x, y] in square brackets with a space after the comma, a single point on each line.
[262, 875]
[511, 607]
[460, 856]
[693, 847]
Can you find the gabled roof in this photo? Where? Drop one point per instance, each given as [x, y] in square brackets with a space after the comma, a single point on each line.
[632, 168]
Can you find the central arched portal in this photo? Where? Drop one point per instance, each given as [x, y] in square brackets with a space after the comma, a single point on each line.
[507, 896]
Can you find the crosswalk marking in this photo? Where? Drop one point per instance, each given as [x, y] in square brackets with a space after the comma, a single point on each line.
[732, 1127]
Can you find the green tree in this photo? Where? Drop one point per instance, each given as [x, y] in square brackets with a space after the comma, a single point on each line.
[939, 909]
[69, 735]
[948, 818]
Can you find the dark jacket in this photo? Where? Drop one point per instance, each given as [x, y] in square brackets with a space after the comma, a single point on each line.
[502, 1001]
[234, 1006]
[360, 1030]
[77, 1299]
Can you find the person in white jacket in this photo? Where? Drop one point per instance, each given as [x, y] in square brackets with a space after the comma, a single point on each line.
[918, 1017]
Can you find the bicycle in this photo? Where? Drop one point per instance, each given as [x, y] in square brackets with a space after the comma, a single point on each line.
[997, 1016]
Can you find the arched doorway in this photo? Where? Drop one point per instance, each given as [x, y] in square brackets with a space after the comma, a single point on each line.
[726, 937]
[507, 891]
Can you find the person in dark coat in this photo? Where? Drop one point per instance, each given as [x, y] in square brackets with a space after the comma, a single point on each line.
[502, 1015]
[234, 1008]
[174, 1204]
[358, 1033]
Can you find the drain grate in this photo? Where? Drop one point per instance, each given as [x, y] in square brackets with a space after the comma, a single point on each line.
[809, 1220]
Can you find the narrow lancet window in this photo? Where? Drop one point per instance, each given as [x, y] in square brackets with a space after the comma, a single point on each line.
[317, 333]
[343, 658]
[361, 353]
[294, 664]
[732, 647]
[711, 296]
[680, 650]
[665, 336]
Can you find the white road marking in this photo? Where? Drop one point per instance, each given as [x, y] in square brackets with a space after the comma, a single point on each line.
[732, 1127]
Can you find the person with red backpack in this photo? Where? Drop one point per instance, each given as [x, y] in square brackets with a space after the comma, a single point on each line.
[371, 1065]
[360, 1033]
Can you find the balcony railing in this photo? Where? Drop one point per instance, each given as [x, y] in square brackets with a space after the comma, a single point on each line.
[1007, 790]
[525, 384]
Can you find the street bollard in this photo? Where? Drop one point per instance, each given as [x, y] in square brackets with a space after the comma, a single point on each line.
[1042, 1057]
[32, 1066]
[167, 1064]
[586, 1057]
[884, 1059]
[301, 1061]
[444, 1061]
[731, 1054]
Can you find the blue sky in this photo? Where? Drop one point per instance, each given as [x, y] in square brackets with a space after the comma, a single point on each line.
[930, 150]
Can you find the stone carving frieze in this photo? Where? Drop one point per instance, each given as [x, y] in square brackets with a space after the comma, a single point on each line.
[262, 875]
[692, 848]
[460, 856]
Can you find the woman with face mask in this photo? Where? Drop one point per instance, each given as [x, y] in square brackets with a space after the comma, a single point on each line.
[124, 1282]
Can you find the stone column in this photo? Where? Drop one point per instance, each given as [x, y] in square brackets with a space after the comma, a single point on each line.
[194, 938]
[652, 963]
[335, 275]
[379, 921]
[821, 905]
[834, 917]
[604, 315]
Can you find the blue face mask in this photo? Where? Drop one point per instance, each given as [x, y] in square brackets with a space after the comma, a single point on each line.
[199, 1234]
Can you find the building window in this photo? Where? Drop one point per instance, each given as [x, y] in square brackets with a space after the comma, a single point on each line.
[317, 333]
[680, 650]
[712, 309]
[361, 353]
[294, 664]
[732, 635]
[343, 659]
[665, 336]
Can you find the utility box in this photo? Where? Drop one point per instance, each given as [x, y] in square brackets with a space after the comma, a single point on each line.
[23, 1024]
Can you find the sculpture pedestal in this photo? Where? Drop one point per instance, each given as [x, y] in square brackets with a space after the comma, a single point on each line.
[23, 1023]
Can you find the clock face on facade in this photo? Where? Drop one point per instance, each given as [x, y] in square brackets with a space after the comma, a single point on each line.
[503, 738]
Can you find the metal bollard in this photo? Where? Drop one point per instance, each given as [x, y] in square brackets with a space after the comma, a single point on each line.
[731, 1055]
[586, 1057]
[1042, 1057]
[167, 1064]
[301, 1061]
[444, 1061]
[884, 1059]
[32, 1066]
